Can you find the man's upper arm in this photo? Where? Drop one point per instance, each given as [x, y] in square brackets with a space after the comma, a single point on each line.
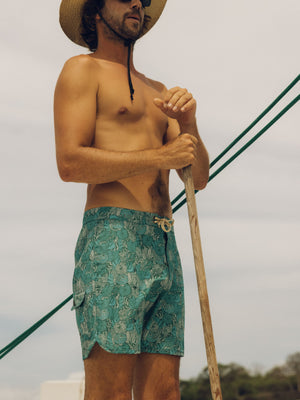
[75, 107]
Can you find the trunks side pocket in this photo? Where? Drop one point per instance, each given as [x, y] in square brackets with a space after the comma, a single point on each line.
[78, 300]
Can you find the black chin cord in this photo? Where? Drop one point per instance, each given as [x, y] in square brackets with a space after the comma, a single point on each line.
[128, 72]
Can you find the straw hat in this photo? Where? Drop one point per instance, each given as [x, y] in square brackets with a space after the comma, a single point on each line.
[71, 11]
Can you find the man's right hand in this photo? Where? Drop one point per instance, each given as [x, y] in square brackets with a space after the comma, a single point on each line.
[179, 152]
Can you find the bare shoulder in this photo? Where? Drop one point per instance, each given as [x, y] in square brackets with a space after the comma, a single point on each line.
[80, 62]
[78, 71]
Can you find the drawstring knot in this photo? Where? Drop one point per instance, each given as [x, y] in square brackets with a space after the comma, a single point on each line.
[164, 223]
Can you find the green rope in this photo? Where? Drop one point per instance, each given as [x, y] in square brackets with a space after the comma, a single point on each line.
[260, 133]
[33, 328]
[267, 110]
[28, 332]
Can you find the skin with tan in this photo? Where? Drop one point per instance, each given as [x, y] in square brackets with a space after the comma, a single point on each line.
[124, 151]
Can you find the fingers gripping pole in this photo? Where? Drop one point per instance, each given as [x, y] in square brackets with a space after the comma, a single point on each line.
[202, 288]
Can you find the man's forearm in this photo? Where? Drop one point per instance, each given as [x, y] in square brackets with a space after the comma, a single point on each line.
[95, 166]
[200, 167]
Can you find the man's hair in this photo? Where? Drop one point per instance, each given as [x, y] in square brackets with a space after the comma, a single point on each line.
[88, 22]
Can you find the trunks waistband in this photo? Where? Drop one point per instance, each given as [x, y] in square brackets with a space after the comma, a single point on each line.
[135, 216]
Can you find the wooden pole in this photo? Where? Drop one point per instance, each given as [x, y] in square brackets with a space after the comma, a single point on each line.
[202, 287]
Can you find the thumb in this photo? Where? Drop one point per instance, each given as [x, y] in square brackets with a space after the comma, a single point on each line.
[159, 103]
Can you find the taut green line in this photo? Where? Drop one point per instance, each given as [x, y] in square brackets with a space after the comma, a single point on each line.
[267, 110]
[242, 149]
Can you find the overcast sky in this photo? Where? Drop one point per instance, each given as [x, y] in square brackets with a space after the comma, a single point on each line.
[235, 56]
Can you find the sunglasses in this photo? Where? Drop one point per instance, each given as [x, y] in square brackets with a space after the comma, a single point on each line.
[145, 3]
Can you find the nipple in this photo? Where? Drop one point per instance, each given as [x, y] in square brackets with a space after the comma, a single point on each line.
[123, 110]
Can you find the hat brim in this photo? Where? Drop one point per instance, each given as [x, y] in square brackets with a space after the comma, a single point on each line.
[70, 15]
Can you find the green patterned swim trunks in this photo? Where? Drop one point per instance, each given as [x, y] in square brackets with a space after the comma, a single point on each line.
[127, 284]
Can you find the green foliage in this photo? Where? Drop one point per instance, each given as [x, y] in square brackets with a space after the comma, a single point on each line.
[280, 383]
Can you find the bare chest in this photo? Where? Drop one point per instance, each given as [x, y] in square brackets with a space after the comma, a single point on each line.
[126, 124]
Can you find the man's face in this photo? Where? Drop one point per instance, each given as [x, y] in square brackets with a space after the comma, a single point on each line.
[125, 16]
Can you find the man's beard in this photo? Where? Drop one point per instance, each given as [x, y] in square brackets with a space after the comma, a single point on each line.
[130, 33]
[123, 29]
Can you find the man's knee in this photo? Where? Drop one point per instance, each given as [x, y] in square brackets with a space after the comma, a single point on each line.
[108, 395]
[113, 397]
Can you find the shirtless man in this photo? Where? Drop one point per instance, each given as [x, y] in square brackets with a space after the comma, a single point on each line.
[128, 289]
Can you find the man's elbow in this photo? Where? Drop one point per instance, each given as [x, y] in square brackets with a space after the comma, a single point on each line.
[66, 170]
[201, 181]
[200, 185]
[65, 173]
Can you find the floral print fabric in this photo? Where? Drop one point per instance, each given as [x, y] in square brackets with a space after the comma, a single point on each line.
[127, 284]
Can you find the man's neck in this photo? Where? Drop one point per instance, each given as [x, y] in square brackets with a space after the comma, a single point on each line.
[113, 49]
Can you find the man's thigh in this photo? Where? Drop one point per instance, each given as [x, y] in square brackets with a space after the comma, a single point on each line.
[156, 377]
[108, 376]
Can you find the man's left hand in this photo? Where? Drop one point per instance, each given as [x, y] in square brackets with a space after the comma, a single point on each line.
[179, 104]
